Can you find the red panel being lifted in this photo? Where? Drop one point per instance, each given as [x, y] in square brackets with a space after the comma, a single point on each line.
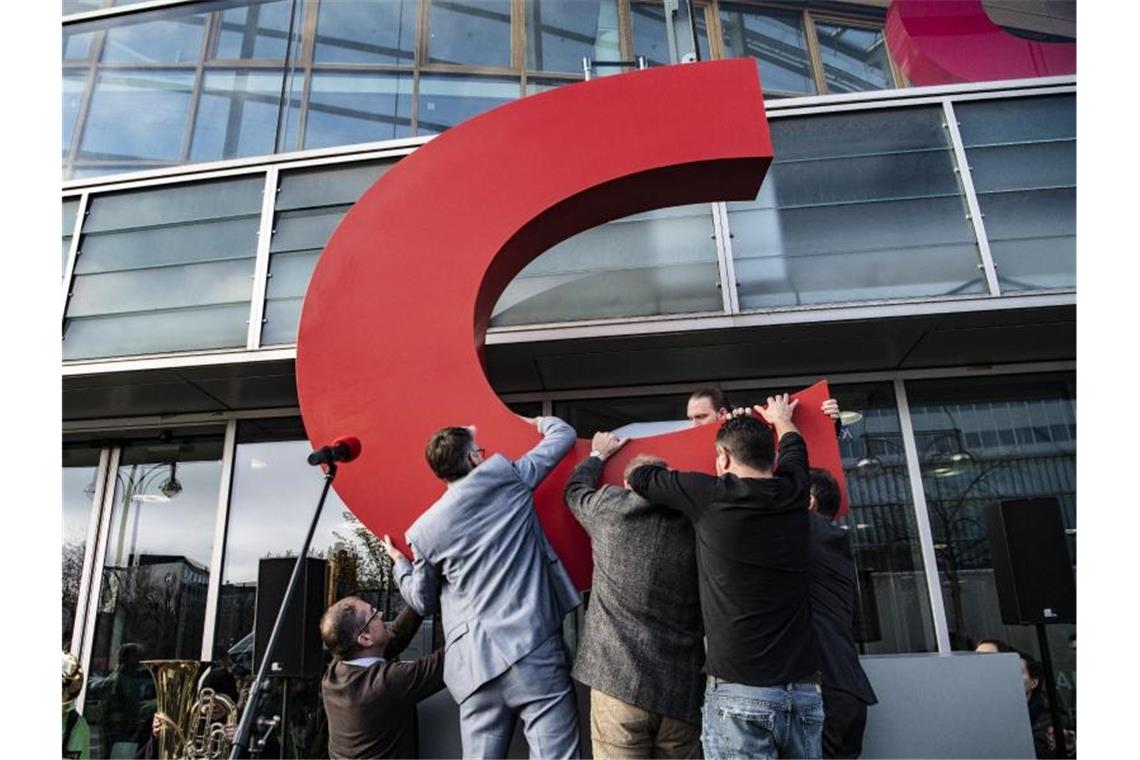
[391, 335]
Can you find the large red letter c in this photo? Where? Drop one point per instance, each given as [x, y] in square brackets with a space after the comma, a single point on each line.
[391, 335]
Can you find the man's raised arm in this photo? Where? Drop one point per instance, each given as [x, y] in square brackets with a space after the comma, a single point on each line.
[557, 440]
[418, 582]
[581, 493]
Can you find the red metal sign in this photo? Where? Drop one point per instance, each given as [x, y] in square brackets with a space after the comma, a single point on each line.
[391, 336]
[951, 41]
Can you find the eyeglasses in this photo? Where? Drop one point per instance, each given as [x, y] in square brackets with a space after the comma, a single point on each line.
[481, 452]
[367, 622]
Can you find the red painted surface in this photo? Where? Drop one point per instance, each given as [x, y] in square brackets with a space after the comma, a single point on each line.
[950, 41]
[391, 335]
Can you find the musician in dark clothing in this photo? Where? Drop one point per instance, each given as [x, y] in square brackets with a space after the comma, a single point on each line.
[370, 700]
[833, 594]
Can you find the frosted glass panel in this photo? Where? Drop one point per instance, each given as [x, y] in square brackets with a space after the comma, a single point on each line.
[855, 207]
[165, 269]
[1022, 155]
[660, 262]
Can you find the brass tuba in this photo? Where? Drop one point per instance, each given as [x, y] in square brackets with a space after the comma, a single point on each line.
[189, 729]
[175, 683]
[207, 737]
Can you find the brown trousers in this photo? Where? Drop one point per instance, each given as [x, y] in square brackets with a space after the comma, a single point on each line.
[621, 730]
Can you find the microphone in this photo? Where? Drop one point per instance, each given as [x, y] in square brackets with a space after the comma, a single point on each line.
[343, 449]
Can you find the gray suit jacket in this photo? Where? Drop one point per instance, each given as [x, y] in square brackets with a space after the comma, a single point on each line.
[483, 560]
[642, 640]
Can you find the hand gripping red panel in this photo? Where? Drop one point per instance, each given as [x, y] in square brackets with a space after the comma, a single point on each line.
[951, 41]
[391, 335]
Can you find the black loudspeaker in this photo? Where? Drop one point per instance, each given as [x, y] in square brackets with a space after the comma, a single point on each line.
[298, 650]
[1032, 570]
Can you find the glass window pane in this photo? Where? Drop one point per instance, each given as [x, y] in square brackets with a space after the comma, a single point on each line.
[175, 204]
[535, 85]
[73, 84]
[310, 205]
[650, 40]
[274, 494]
[152, 603]
[237, 115]
[1022, 155]
[70, 207]
[894, 611]
[80, 468]
[137, 116]
[660, 262]
[473, 32]
[355, 108]
[258, 31]
[324, 186]
[854, 59]
[146, 290]
[164, 37]
[354, 31]
[997, 468]
[77, 45]
[179, 277]
[855, 207]
[776, 40]
[194, 329]
[80, 6]
[560, 34]
[446, 100]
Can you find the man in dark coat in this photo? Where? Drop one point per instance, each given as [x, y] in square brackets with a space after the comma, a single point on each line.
[371, 701]
[833, 593]
[641, 651]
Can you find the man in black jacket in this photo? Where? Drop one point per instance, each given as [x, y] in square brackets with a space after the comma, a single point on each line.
[371, 701]
[833, 593]
[752, 534]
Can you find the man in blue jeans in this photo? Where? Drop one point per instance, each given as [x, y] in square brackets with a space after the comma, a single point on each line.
[752, 529]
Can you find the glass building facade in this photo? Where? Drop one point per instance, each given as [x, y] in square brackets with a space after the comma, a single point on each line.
[915, 246]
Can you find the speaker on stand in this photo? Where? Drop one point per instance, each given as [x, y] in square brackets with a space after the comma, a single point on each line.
[1034, 577]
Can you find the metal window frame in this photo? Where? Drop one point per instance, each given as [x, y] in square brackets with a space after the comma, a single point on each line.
[922, 520]
[218, 553]
[93, 524]
[73, 250]
[725, 260]
[974, 210]
[99, 558]
[265, 232]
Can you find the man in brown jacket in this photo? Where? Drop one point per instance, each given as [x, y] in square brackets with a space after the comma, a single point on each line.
[369, 700]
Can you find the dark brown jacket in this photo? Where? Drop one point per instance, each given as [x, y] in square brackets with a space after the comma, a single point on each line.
[371, 709]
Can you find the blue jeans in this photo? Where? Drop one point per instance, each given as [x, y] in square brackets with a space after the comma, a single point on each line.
[762, 721]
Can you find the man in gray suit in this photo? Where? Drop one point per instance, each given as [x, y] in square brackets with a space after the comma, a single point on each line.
[641, 652]
[482, 559]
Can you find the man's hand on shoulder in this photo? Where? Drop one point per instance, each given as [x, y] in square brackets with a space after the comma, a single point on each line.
[606, 444]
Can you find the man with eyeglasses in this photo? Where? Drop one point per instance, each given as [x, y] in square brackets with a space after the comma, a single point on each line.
[481, 557]
[369, 699]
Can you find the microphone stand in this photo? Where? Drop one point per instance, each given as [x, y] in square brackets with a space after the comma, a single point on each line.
[241, 736]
